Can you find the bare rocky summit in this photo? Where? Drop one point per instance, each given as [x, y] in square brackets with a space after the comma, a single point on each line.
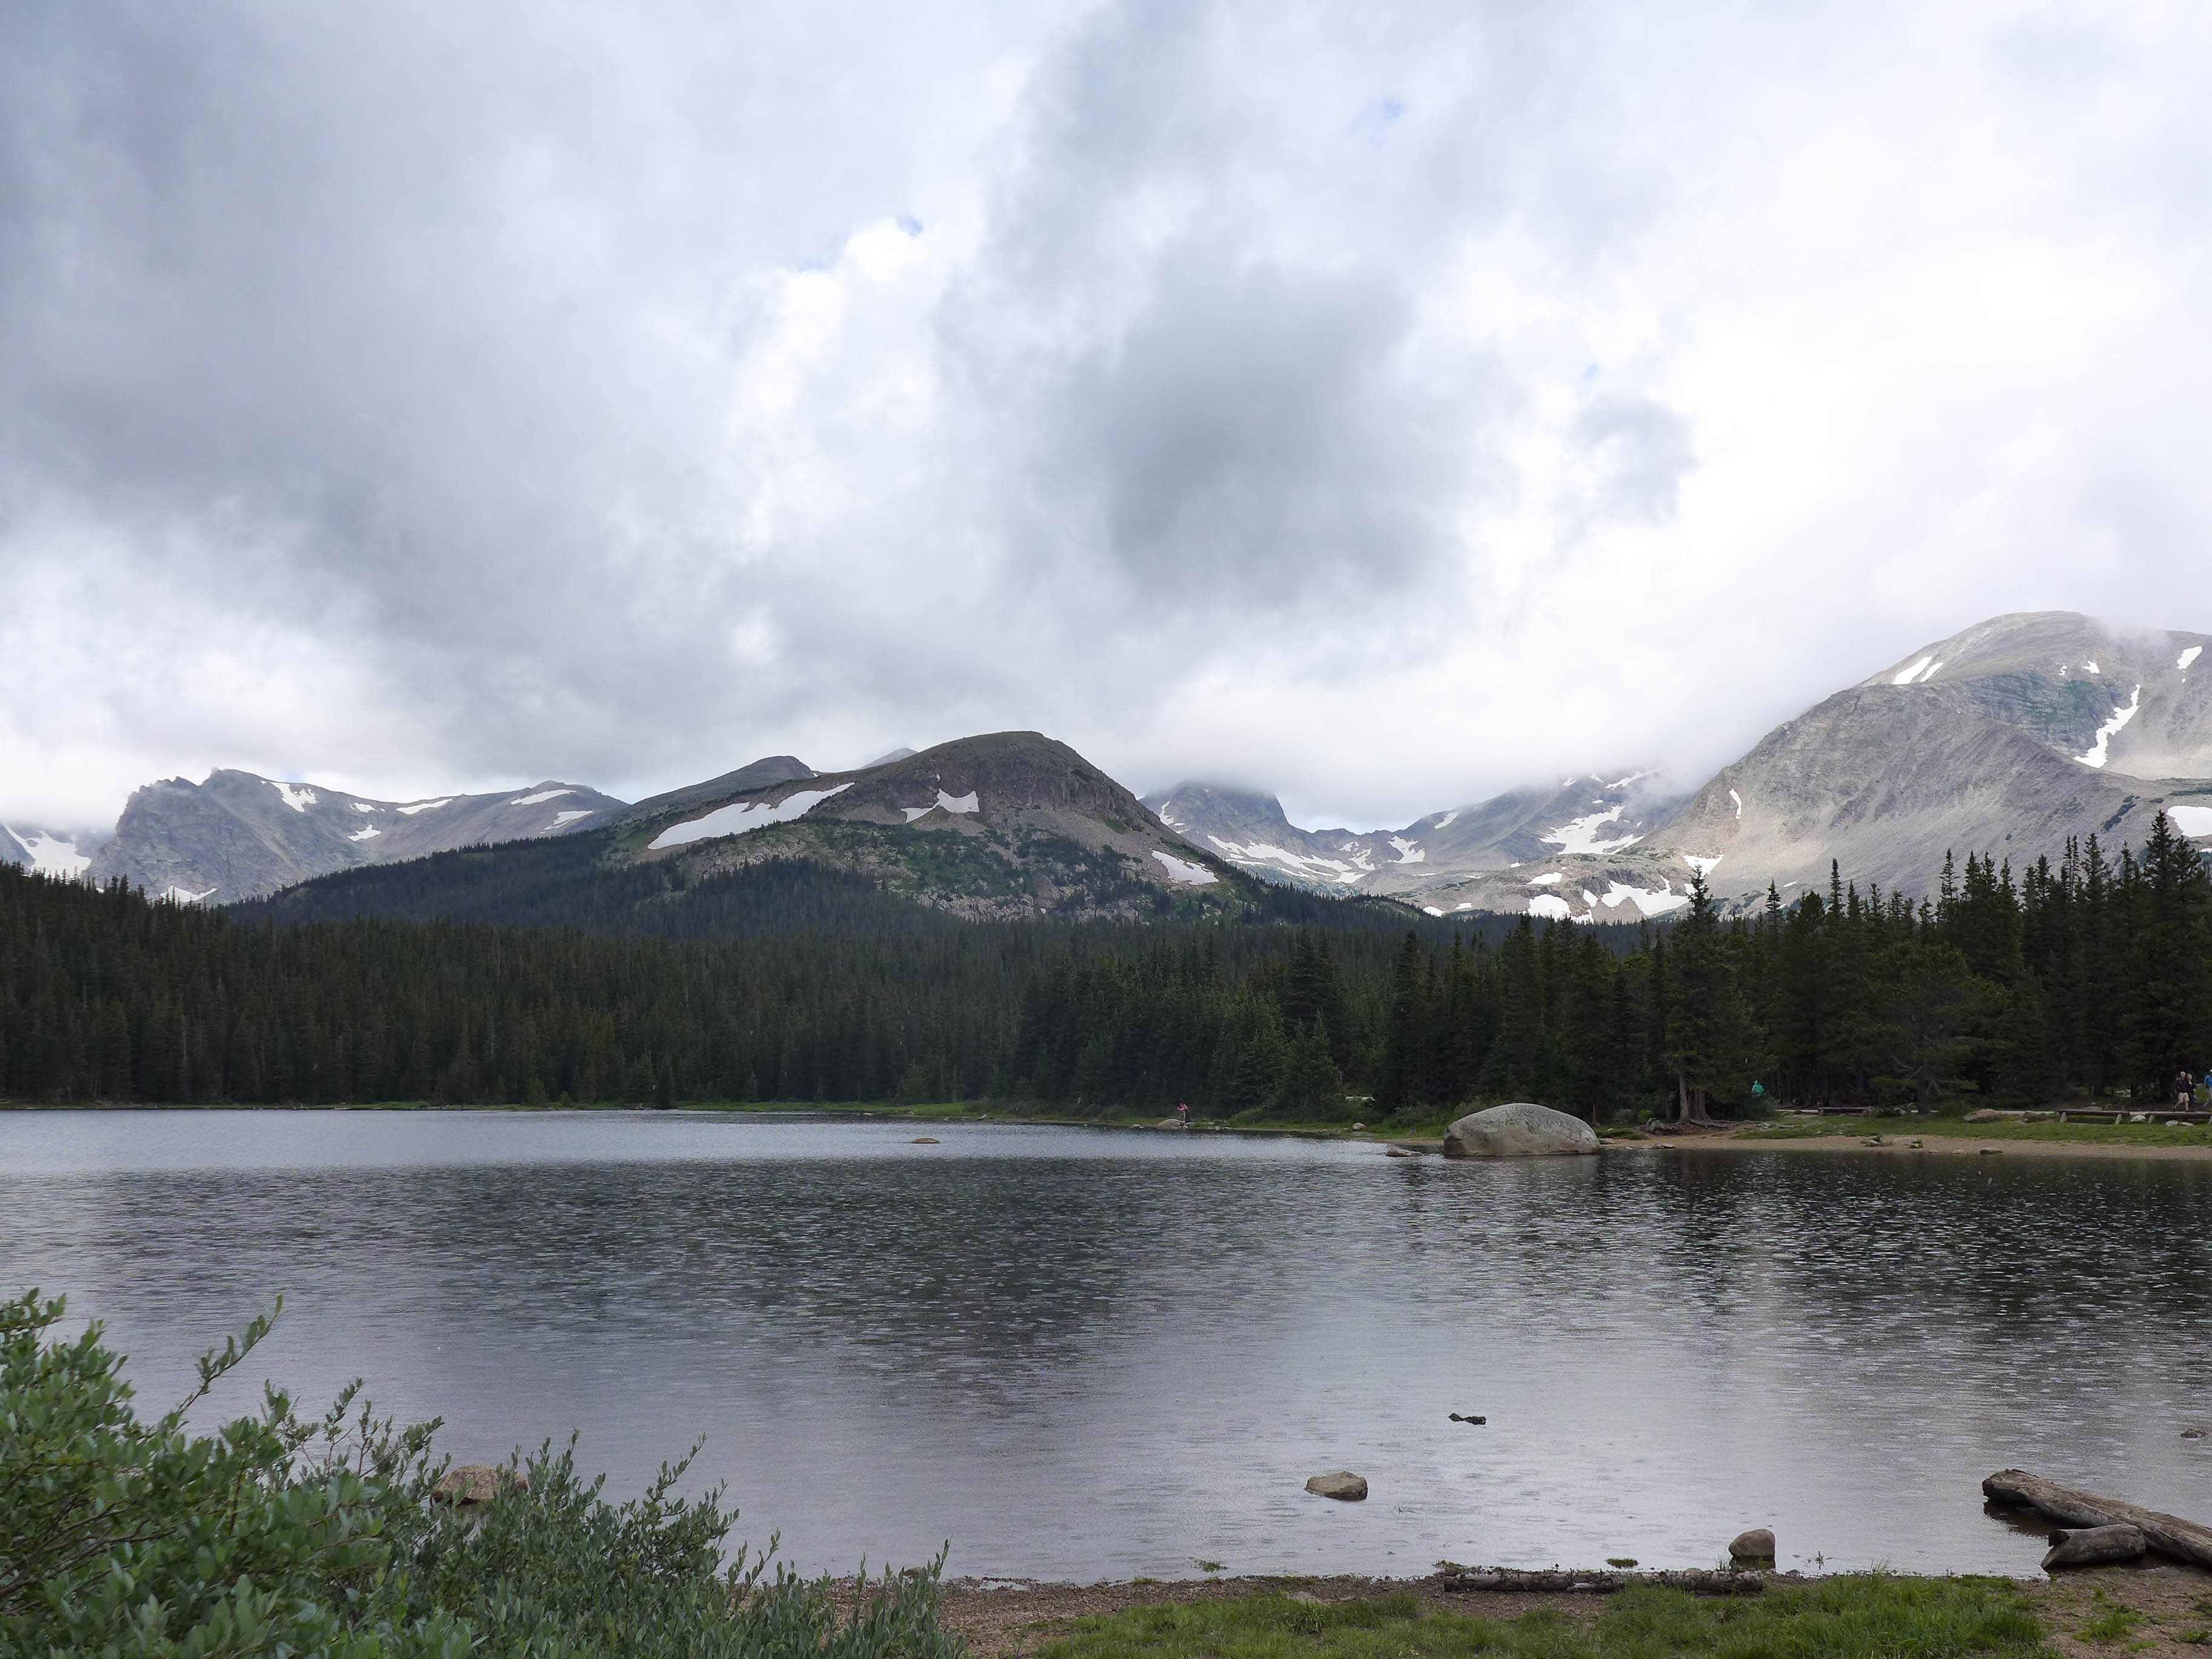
[239, 836]
[2002, 741]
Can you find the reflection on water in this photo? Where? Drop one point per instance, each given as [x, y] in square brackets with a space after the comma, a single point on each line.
[1081, 1353]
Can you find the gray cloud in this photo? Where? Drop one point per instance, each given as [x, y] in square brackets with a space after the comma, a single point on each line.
[1388, 403]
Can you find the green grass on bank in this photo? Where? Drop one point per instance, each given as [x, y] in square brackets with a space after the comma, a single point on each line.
[1860, 1617]
[2116, 1134]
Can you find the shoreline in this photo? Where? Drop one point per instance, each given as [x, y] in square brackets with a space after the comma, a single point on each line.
[1006, 1618]
[1943, 1138]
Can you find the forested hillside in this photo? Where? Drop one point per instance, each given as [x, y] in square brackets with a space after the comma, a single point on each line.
[817, 986]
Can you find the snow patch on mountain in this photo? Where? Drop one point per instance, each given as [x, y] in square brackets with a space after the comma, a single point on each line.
[370, 833]
[1182, 870]
[944, 803]
[298, 800]
[1310, 866]
[2189, 657]
[1649, 902]
[741, 818]
[1913, 672]
[2195, 821]
[412, 808]
[1551, 905]
[560, 818]
[1444, 819]
[2097, 755]
[1738, 800]
[176, 895]
[1704, 866]
[1581, 835]
[542, 795]
[50, 855]
[1409, 851]
[1545, 881]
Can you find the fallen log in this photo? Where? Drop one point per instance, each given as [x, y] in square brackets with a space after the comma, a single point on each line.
[1701, 1581]
[2070, 1506]
[2092, 1547]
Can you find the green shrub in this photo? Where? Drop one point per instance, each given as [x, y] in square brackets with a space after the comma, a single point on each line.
[276, 1534]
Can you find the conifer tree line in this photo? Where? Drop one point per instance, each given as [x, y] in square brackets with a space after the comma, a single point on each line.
[825, 991]
[2087, 975]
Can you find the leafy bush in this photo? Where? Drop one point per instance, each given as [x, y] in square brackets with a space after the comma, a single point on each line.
[278, 1534]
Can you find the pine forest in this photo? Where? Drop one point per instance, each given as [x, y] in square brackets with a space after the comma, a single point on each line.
[788, 983]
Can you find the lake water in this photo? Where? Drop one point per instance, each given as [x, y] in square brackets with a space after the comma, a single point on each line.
[1079, 1353]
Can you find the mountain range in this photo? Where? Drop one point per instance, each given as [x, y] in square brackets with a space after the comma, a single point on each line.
[239, 836]
[2006, 740]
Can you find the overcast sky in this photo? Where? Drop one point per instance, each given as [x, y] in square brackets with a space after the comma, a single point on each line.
[1385, 404]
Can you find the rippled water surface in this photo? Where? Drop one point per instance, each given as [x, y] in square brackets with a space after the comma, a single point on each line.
[1082, 1353]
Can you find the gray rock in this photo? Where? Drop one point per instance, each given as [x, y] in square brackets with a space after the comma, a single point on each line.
[1341, 1483]
[1521, 1129]
[1306, 1598]
[471, 1485]
[1756, 1545]
[2086, 1546]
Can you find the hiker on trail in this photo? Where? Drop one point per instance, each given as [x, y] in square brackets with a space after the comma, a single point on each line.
[2185, 1090]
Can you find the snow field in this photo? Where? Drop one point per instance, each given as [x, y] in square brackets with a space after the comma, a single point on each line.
[1581, 835]
[740, 817]
[2097, 754]
[1183, 870]
[50, 855]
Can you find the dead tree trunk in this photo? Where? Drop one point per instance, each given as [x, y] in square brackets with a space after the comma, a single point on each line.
[2169, 1534]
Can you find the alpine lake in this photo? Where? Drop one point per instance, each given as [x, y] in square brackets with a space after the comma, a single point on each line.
[1078, 1354]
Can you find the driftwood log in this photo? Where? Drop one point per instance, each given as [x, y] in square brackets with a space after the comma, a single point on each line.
[1702, 1580]
[2092, 1547]
[2169, 1534]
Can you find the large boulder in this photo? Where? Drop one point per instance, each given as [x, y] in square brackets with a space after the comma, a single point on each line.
[1756, 1545]
[1522, 1129]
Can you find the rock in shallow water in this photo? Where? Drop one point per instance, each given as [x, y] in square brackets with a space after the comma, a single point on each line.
[1341, 1483]
[1756, 1545]
[1522, 1129]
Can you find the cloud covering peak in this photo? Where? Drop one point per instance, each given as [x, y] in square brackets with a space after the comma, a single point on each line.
[1391, 404]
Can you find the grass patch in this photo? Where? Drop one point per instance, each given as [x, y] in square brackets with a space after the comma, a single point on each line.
[1860, 1616]
[2113, 1624]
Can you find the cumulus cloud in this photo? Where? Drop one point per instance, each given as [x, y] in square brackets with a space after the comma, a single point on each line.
[1390, 406]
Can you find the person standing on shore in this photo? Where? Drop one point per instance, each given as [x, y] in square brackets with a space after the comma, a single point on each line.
[2185, 1090]
[1183, 1114]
